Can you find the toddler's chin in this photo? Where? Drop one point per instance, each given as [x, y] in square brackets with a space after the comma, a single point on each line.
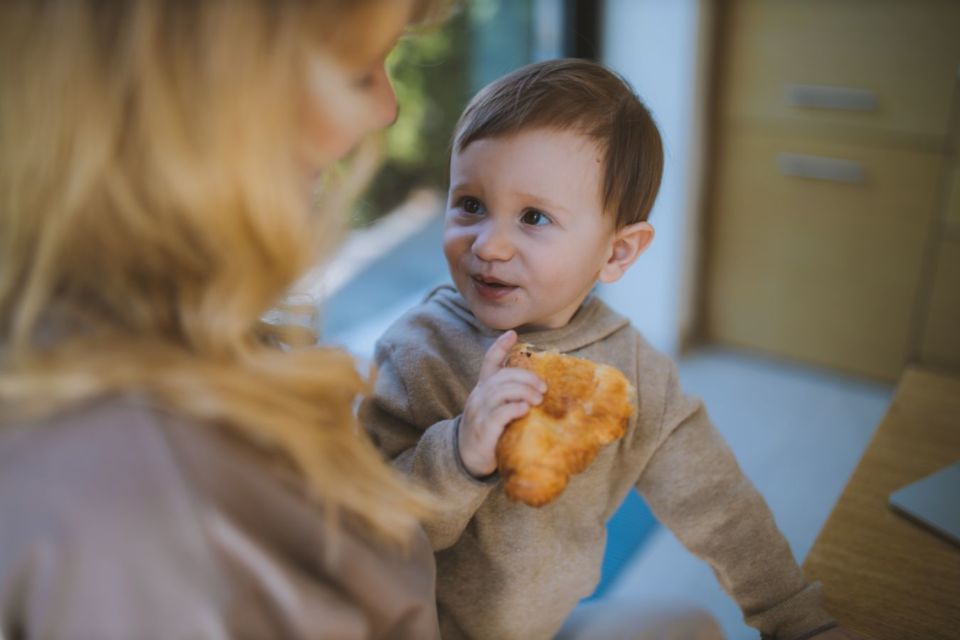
[492, 322]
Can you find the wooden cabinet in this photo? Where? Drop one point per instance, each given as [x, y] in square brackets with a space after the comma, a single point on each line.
[880, 66]
[827, 207]
[818, 269]
[939, 334]
[940, 337]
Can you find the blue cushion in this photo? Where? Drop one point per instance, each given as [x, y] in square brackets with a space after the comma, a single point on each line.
[627, 530]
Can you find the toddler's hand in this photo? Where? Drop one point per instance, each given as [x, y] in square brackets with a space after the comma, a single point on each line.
[501, 396]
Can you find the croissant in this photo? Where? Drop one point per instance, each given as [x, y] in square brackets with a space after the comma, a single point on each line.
[586, 406]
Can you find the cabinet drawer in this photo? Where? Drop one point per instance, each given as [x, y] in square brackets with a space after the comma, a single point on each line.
[819, 268]
[940, 339]
[881, 66]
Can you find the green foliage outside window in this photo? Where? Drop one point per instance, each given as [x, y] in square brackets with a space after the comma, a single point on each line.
[430, 75]
[434, 74]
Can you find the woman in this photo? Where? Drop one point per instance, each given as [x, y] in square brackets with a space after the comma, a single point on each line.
[164, 471]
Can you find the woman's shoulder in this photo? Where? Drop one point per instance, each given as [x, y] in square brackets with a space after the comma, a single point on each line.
[160, 518]
[97, 479]
[92, 496]
[90, 456]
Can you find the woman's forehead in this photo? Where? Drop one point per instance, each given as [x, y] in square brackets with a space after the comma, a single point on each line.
[369, 30]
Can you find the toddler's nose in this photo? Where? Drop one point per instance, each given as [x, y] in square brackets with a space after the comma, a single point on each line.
[493, 244]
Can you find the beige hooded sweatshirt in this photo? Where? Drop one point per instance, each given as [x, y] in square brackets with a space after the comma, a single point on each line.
[509, 571]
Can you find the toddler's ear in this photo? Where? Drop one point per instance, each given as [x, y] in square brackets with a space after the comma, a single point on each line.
[628, 243]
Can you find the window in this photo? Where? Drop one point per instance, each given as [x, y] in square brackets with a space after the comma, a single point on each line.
[393, 256]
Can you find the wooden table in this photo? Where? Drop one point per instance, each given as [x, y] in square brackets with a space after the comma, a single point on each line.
[884, 576]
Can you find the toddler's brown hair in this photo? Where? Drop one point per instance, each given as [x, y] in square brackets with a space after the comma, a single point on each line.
[586, 97]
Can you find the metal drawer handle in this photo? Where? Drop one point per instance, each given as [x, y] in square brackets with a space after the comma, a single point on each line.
[814, 96]
[820, 168]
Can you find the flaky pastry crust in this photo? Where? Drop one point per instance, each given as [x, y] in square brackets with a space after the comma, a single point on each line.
[586, 406]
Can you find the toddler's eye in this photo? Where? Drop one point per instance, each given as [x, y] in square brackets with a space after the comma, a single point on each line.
[534, 218]
[471, 205]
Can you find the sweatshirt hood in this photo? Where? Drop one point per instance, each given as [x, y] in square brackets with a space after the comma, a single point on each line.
[593, 321]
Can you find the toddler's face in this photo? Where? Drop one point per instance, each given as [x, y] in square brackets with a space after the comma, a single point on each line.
[525, 235]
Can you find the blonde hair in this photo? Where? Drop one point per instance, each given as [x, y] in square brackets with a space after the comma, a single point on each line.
[151, 211]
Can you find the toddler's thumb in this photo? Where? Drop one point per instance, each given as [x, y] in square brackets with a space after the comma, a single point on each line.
[496, 354]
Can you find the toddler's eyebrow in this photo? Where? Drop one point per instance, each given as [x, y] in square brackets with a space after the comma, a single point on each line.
[542, 201]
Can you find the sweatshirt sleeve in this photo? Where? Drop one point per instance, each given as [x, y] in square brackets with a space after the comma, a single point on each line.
[413, 420]
[696, 488]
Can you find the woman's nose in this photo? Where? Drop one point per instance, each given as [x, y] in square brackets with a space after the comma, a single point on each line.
[493, 243]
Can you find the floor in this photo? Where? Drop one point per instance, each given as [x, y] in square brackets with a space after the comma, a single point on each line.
[798, 433]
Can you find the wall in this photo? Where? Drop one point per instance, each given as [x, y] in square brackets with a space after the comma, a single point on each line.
[661, 48]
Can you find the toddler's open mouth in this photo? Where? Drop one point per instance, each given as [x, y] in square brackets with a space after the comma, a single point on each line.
[491, 288]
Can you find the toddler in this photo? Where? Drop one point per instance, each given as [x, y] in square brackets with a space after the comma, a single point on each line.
[554, 171]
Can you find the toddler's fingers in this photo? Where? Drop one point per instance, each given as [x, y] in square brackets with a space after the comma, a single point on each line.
[507, 413]
[512, 391]
[496, 354]
[521, 376]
